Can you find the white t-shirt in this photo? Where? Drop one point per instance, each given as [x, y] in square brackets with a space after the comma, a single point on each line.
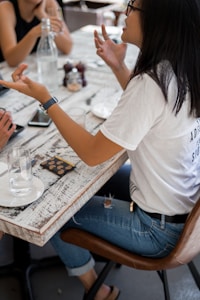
[164, 149]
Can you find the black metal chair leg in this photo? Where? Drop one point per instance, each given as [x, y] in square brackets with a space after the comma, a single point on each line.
[92, 292]
[18, 267]
[163, 276]
[39, 264]
[194, 273]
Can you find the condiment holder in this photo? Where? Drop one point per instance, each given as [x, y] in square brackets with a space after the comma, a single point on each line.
[74, 78]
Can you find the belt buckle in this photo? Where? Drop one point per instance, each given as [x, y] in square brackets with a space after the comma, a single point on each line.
[162, 222]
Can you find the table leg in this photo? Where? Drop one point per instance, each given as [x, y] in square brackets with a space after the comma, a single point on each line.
[18, 267]
[23, 266]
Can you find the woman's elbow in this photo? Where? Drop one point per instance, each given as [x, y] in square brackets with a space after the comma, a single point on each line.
[11, 61]
[92, 160]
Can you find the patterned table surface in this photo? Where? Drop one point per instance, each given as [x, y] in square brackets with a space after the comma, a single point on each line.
[62, 197]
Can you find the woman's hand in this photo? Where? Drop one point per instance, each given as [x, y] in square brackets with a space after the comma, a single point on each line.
[56, 25]
[113, 54]
[36, 31]
[24, 85]
[6, 127]
[40, 10]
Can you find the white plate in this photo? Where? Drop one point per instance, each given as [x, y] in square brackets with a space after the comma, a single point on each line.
[8, 200]
[101, 111]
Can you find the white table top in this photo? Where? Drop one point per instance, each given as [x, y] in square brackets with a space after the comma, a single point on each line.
[63, 197]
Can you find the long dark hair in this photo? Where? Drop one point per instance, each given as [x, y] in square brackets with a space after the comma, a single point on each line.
[171, 32]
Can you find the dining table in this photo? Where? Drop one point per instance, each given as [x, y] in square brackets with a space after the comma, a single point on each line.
[38, 219]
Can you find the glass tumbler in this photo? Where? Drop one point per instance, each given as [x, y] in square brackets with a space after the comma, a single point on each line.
[19, 171]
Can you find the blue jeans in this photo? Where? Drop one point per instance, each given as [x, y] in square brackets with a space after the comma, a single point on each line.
[135, 231]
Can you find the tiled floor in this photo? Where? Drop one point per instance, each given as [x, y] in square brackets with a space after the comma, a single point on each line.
[54, 284]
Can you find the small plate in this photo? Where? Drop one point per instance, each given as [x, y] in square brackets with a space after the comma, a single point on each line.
[8, 200]
[101, 111]
[102, 108]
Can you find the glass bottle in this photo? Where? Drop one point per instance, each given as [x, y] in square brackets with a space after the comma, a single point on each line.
[47, 56]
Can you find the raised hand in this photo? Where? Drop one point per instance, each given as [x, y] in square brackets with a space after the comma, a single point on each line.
[113, 54]
[25, 85]
[39, 10]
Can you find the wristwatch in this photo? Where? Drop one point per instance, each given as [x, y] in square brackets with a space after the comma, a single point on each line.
[44, 107]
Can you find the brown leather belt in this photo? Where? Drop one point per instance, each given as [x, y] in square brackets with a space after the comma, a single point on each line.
[169, 219]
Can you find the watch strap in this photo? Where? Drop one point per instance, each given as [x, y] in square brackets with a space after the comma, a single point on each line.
[48, 104]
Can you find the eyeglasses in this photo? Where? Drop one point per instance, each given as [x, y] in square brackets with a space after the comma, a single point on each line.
[130, 7]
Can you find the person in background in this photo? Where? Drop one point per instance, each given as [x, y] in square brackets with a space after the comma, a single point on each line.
[20, 28]
[157, 121]
[6, 127]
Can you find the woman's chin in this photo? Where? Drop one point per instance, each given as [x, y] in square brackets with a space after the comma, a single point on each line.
[124, 35]
[123, 38]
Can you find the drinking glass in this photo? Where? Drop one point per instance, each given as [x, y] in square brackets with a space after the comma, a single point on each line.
[19, 171]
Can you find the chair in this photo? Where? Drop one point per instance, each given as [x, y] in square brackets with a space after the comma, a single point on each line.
[187, 247]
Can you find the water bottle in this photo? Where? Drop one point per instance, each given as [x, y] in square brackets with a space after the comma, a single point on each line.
[47, 56]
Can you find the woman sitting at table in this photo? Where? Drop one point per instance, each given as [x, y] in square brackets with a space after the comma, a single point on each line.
[157, 121]
[20, 28]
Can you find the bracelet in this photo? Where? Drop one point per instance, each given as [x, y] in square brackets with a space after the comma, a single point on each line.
[44, 107]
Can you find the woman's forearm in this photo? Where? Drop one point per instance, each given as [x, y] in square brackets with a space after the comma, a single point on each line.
[64, 41]
[22, 49]
[122, 74]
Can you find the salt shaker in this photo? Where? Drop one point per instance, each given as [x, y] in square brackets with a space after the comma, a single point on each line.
[74, 82]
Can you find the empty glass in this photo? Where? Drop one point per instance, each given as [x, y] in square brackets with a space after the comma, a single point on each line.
[19, 171]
